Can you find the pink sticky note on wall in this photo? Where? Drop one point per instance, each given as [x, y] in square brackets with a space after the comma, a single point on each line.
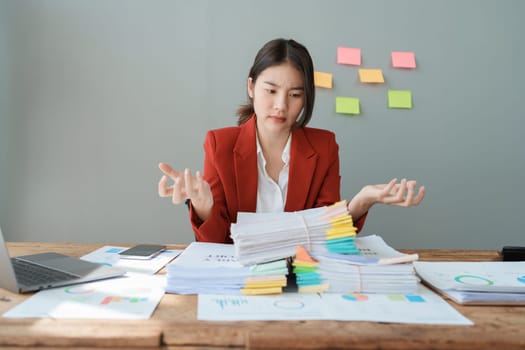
[403, 59]
[349, 55]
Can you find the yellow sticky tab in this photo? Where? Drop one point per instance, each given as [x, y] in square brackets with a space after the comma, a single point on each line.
[319, 288]
[341, 235]
[261, 291]
[259, 285]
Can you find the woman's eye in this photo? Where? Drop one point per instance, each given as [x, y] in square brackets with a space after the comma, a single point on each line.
[296, 95]
[270, 91]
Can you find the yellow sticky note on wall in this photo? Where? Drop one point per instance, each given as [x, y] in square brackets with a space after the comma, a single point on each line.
[323, 80]
[371, 76]
[347, 105]
[399, 99]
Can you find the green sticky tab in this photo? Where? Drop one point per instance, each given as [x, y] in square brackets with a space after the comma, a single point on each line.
[274, 267]
[399, 99]
[347, 105]
[302, 269]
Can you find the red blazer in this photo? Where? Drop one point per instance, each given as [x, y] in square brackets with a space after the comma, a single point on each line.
[230, 167]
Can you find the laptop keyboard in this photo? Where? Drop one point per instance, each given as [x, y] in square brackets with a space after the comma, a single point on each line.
[31, 274]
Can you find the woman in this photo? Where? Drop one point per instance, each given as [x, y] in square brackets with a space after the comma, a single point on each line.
[272, 161]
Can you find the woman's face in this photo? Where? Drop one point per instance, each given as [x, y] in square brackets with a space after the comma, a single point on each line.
[278, 97]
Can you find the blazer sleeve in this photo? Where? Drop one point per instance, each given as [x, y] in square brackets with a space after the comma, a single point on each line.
[216, 228]
[330, 187]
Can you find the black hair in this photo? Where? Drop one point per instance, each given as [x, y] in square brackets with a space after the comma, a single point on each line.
[276, 52]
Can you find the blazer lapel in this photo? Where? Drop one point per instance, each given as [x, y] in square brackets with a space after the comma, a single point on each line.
[303, 162]
[245, 167]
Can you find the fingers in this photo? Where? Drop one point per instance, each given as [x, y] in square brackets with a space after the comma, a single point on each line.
[396, 192]
[410, 198]
[164, 190]
[177, 191]
[410, 193]
[168, 170]
[402, 194]
[185, 185]
[178, 195]
[420, 195]
[188, 181]
[390, 186]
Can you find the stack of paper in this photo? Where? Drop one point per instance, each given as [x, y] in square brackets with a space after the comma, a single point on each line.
[213, 268]
[262, 237]
[379, 269]
[494, 282]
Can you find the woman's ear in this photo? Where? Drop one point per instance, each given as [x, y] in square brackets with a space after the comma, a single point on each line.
[250, 87]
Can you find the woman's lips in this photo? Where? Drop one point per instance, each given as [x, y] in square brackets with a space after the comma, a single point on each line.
[277, 119]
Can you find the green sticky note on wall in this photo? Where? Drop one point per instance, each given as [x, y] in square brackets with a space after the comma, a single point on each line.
[347, 105]
[399, 99]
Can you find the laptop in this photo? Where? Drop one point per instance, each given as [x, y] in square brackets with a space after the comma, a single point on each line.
[34, 272]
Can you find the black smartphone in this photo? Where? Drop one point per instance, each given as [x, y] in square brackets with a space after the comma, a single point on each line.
[142, 251]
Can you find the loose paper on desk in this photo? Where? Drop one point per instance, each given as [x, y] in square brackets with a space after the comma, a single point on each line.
[213, 268]
[108, 255]
[489, 282]
[424, 307]
[132, 297]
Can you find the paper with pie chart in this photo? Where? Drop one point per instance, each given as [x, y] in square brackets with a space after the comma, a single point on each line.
[486, 276]
[476, 283]
[423, 307]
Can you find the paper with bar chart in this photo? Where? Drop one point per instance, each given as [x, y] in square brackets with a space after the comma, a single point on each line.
[132, 297]
[424, 307]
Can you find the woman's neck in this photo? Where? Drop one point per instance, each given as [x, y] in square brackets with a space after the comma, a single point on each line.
[273, 142]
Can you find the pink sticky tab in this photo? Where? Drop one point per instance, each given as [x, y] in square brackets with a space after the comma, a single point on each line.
[401, 59]
[349, 55]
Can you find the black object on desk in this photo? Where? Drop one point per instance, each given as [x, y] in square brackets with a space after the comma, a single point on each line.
[513, 253]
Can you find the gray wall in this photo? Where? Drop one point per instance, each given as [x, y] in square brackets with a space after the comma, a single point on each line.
[101, 91]
[4, 110]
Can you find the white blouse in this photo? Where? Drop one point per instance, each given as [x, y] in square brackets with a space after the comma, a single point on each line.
[271, 196]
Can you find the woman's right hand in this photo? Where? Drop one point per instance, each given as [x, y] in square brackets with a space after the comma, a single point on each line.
[186, 186]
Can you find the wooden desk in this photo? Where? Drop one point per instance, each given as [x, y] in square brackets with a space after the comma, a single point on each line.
[174, 324]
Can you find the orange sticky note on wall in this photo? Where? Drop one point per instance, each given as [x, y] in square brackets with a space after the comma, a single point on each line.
[371, 76]
[323, 80]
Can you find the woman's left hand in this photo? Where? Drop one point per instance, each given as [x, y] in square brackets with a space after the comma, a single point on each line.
[402, 194]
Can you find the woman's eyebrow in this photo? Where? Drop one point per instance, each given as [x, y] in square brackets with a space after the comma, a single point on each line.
[276, 85]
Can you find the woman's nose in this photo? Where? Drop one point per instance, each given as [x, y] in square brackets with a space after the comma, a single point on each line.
[280, 103]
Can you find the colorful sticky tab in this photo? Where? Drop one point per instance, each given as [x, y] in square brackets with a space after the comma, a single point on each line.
[371, 76]
[403, 59]
[399, 99]
[261, 291]
[349, 55]
[347, 105]
[313, 289]
[303, 255]
[323, 80]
